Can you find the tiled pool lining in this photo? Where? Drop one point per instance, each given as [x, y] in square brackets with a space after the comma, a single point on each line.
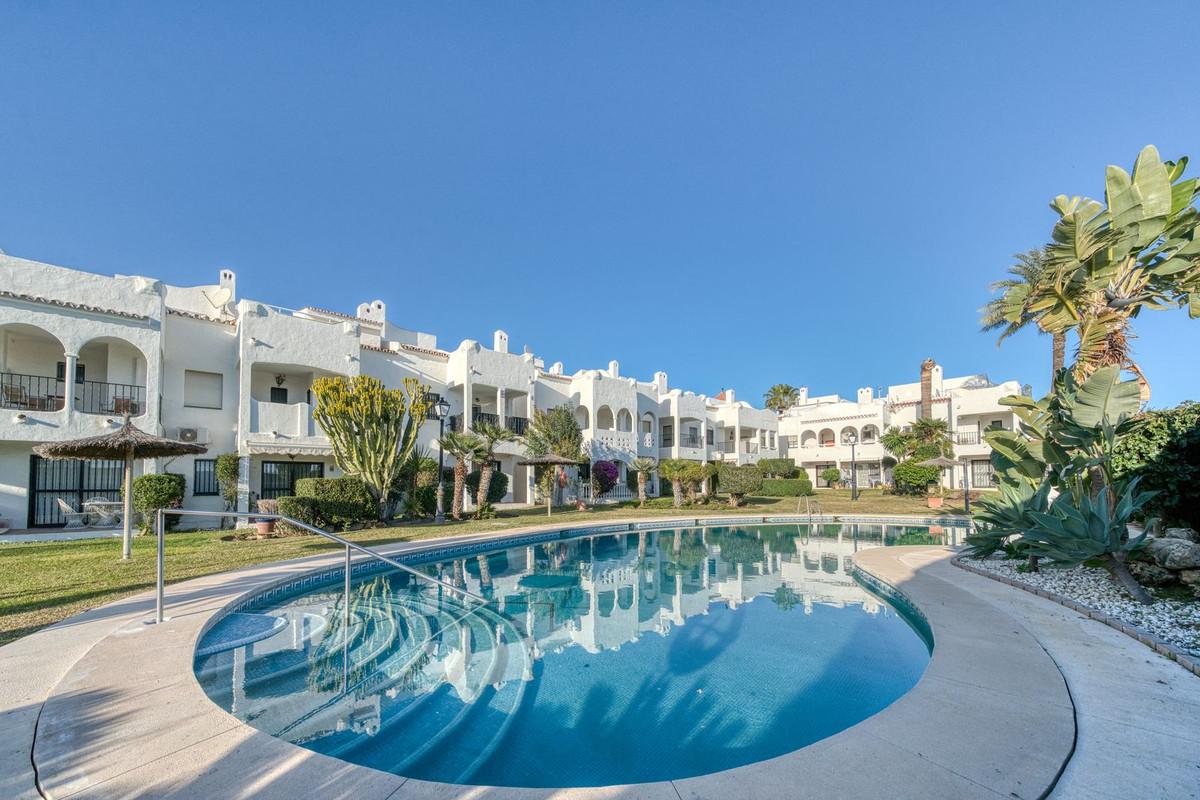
[434, 553]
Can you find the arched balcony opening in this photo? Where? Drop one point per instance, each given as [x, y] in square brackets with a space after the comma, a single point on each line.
[32, 369]
[826, 438]
[604, 419]
[808, 439]
[847, 433]
[869, 435]
[624, 420]
[582, 418]
[110, 378]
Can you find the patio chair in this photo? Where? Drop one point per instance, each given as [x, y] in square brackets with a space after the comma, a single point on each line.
[75, 519]
[15, 396]
[103, 512]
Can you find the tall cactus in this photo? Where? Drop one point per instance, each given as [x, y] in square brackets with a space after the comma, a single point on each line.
[372, 429]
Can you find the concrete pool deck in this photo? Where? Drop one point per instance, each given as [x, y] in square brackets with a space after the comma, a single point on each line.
[107, 706]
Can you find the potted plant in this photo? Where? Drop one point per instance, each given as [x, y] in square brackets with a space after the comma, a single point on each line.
[265, 527]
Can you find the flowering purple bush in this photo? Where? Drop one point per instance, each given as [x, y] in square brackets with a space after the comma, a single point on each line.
[604, 476]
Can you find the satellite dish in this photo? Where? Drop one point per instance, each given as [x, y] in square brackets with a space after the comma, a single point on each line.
[219, 298]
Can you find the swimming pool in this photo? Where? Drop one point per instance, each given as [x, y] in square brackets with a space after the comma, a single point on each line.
[609, 658]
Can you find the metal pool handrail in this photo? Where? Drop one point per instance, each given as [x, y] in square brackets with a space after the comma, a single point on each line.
[160, 533]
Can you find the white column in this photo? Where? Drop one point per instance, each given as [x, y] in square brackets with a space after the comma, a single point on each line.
[70, 359]
[467, 398]
[243, 493]
[500, 410]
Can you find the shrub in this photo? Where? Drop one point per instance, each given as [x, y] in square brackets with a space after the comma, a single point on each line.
[304, 509]
[159, 490]
[912, 477]
[228, 470]
[787, 487]
[341, 502]
[778, 468]
[497, 487]
[604, 476]
[740, 481]
[1165, 453]
[831, 475]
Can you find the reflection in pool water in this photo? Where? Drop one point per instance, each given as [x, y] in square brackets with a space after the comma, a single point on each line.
[615, 658]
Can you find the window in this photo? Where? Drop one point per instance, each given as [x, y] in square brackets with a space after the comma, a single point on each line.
[709, 436]
[771, 438]
[60, 371]
[202, 389]
[279, 477]
[981, 474]
[279, 394]
[204, 478]
[793, 441]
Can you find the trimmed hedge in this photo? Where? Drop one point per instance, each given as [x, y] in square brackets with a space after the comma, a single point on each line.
[497, 488]
[738, 482]
[340, 502]
[911, 477]
[778, 468]
[787, 487]
[155, 491]
[305, 509]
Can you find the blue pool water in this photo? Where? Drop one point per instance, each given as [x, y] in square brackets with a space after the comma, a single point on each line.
[604, 659]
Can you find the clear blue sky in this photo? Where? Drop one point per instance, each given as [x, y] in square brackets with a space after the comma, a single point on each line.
[738, 193]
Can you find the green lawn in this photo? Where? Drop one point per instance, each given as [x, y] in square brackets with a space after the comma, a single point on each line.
[46, 582]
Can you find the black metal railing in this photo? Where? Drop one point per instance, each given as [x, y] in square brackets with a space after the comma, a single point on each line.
[966, 437]
[39, 393]
[691, 440]
[94, 397]
[31, 392]
[455, 423]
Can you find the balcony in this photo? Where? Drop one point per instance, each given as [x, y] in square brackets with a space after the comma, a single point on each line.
[282, 419]
[39, 393]
[967, 437]
[693, 440]
[515, 424]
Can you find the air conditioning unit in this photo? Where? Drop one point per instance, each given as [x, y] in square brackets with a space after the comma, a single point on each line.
[194, 435]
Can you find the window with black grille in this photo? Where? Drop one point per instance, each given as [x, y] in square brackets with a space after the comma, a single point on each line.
[204, 478]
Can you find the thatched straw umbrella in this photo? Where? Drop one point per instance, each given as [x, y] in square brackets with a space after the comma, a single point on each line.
[549, 460]
[128, 443]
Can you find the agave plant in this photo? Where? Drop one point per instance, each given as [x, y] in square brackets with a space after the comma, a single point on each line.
[1078, 527]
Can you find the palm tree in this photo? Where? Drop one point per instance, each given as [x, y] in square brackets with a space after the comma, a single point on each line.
[675, 470]
[464, 448]
[491, 435]
[932, 433]
[896, 442]
[643, 466]
[781, 397]
[1011, 311]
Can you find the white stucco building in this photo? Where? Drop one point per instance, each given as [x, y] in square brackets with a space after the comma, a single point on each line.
[817, 430]
[78, 351]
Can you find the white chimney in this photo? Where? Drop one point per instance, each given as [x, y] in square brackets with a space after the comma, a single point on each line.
[865, 396]
[660, 382]
[614, 369]
[802, 395]
[500, 342]
[373, 311]
[556, 368]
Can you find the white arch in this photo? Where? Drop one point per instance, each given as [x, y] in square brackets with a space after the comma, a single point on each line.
[581, 417]
[826, 437]
[808, 439]
[604, 419]
[844, 436]
[624, 420]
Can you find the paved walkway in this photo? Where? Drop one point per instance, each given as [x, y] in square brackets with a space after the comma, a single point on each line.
[1138, 714]
[24, 535]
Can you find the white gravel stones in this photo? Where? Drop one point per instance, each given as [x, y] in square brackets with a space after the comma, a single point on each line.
[1175, 621]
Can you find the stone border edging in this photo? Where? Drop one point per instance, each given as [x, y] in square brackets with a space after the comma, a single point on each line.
[1155, 643]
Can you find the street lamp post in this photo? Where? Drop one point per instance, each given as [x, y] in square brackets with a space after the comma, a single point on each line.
[443, 409]
[853, 440]
[967, 486]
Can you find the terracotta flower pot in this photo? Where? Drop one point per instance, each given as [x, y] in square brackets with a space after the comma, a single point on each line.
[264, 527]
[935, 501]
